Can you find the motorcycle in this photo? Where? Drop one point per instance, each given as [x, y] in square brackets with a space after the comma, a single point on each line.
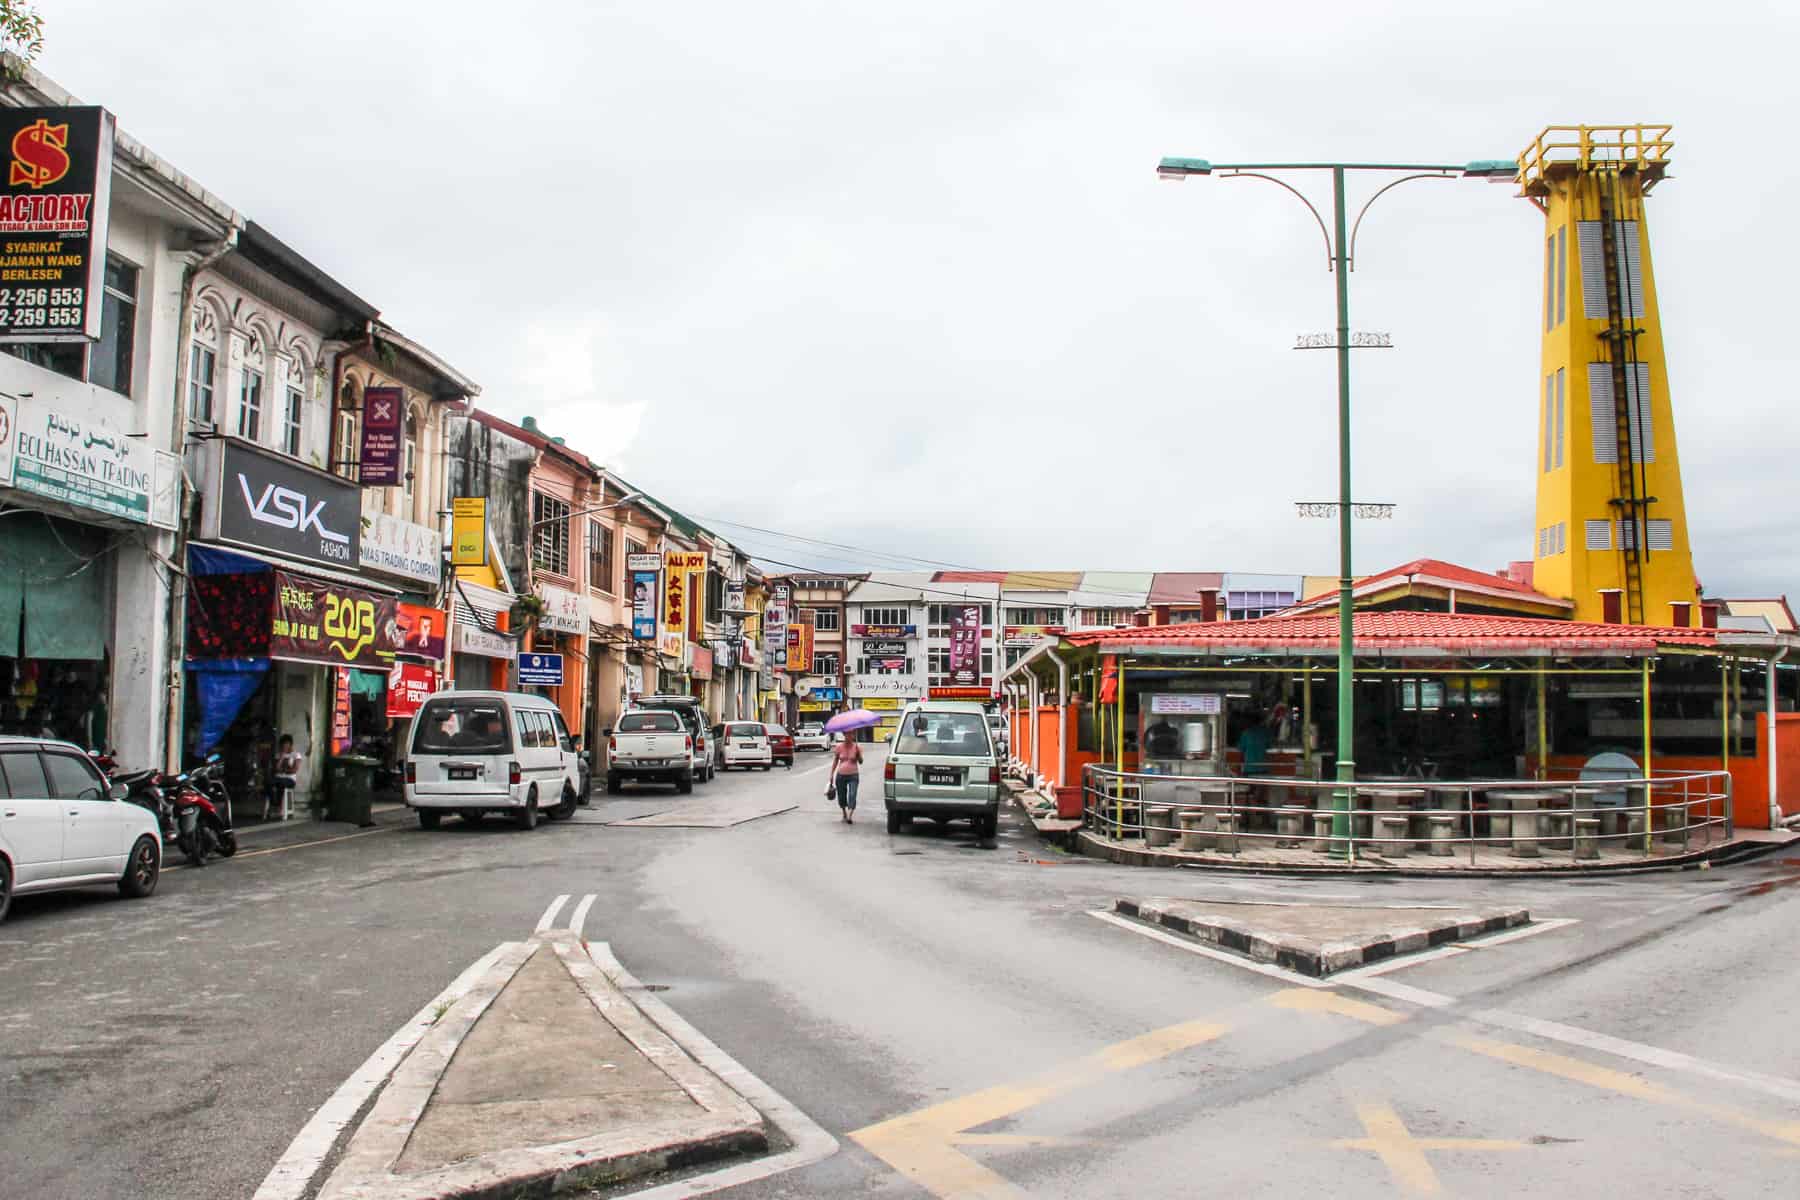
[202, 812]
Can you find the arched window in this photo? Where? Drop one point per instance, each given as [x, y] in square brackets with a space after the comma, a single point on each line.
[410, 461]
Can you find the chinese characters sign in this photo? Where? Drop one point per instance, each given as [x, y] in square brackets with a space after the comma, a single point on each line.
[799, 648]
[330, 623]
[679, 569]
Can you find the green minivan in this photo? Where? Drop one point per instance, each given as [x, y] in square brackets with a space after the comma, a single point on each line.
[942, 765]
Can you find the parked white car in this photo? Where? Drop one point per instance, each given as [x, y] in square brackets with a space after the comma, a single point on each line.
[812, 737]
[63, 826]
[479, 752]
[745, 744]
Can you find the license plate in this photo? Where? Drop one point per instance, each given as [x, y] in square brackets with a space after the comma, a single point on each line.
[943, 776]
[650, 762]
[746, 745]
[462, 773]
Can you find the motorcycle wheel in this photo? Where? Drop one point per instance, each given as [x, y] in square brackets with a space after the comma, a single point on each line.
[194, 846]
[227, 843]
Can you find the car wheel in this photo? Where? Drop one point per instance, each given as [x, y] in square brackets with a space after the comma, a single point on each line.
[429, 818]
[526, 818]
[685, 785]
[5, 887]
[566, 809]
[470, 816]
[766, 766]
[142, 870]
[987, 826]
[614, 785]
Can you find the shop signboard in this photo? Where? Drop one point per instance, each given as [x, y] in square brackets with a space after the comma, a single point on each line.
[540, 670]
[885, 631]
[564, 611]
[1204, 703]
[776, 614]
[734, 596]
[644, 570]
[904, 687]
[888, 664]
[470, 639]
[54, 203]
[379, 464]
[674, 644]
[965, 644]
[880, 703]
[410, 685]
[819, 691]
[961, 693]
[634, 681]
[799, 648]
[468, 531]
[405, 549]
[703, 662]
[61, 457]
[319, 622]
[419, 631]
[887, 648]
[1017, 636]
[269, 502]
[341, 736]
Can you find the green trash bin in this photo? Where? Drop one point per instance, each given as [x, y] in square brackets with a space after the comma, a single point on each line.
[350, 787]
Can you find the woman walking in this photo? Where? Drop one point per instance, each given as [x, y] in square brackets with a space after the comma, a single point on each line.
[846, 757]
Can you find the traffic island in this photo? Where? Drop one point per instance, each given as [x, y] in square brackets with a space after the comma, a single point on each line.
[544, 1077]
[1314, 939]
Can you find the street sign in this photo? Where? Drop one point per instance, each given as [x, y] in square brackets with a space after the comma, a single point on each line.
[540, 670]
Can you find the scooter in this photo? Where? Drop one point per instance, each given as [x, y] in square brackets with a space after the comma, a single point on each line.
[150, 789]
[202, 812]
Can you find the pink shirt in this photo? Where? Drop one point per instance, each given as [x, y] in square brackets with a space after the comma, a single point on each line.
[845, 757]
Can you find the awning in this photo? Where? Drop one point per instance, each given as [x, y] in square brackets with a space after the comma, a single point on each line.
[216, 560]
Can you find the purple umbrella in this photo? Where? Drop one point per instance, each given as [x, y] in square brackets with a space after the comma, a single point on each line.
[856, 718]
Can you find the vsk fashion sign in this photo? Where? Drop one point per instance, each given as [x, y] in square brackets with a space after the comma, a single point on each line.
[62, 458]
[53, 216]
[266, 502]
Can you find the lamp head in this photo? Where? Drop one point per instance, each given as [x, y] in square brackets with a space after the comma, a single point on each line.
[1494, 170]
[1175, 170]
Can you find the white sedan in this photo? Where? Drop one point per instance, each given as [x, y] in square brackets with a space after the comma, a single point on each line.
[63, 826]
[744, 744]
[812, 737]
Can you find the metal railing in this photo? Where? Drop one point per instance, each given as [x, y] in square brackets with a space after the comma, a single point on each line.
[1586, 819]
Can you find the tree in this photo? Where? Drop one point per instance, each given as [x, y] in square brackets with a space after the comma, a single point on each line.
[21, 29]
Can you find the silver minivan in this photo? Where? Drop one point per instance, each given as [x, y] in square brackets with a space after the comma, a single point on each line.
[479, 752]
[942, 765]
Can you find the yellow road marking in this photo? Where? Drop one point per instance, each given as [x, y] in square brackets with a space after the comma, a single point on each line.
[342, 837]
[1402, 1153]
[921, 1145]
[1593, 1075]
[1318, 1000]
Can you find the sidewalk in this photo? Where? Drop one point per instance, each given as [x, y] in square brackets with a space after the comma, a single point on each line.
[543, 1077]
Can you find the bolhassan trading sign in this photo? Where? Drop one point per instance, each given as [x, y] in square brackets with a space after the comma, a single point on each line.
[379, 465]
[53, 215]
[64, 458]
[331, 623]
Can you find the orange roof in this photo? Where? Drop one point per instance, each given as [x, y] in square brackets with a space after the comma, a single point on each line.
[1461, 633]
[969, 577]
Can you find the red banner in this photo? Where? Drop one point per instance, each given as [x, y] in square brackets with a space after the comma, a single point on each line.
[330, 623]
[341, 736]
[419, 631]
[409, 686]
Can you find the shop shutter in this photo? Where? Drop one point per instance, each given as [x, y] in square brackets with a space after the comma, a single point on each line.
[58, 568]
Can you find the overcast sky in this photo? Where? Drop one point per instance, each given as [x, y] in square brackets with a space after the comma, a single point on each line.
[902, 276]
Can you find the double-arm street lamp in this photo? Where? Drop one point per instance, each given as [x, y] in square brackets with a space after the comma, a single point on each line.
[1340, 250]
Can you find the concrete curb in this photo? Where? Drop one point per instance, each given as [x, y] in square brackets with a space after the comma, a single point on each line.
[367, 1170]
[1315, 959]
[1092, 846]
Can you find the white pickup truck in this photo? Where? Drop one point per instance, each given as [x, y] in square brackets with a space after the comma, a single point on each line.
[650, 746]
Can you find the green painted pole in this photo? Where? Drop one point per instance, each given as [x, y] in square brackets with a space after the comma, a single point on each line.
[1346, 674]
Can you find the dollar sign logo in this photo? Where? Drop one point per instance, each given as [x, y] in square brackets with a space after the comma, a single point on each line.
[39, 157]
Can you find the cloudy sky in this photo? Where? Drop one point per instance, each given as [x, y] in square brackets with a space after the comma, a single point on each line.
[901, 277]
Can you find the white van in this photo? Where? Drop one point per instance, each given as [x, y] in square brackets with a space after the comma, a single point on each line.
[480, 752]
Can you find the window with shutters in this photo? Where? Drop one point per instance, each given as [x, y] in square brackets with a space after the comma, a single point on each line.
[1562, 273]
[600, 558]
[1599, 535]
[1550, 283]
[1605, 424]
[549, 533]
[1661, 534]
[1593, 269]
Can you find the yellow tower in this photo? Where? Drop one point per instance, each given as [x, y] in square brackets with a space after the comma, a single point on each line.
[1612, 530]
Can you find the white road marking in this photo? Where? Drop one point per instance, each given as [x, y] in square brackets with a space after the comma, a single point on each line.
[293, 1172]
[1192, 947]
[550, 913]
[811, 1144]
[1395, 964]
[1395, 990]
[581, 911]
[1545, 925]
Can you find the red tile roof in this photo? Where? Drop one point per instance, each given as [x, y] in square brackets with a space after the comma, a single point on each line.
[1436, 570]
[1462, 633]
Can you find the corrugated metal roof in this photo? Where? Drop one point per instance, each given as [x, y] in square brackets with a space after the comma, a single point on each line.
[1461, 633]
[1182, 587]
[1041, 581]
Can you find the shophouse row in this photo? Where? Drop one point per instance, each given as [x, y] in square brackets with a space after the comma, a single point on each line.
[237, 503]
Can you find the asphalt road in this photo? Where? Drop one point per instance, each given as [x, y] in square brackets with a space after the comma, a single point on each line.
[951, 1011]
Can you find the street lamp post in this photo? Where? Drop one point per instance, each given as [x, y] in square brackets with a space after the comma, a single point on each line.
[1340, 248]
